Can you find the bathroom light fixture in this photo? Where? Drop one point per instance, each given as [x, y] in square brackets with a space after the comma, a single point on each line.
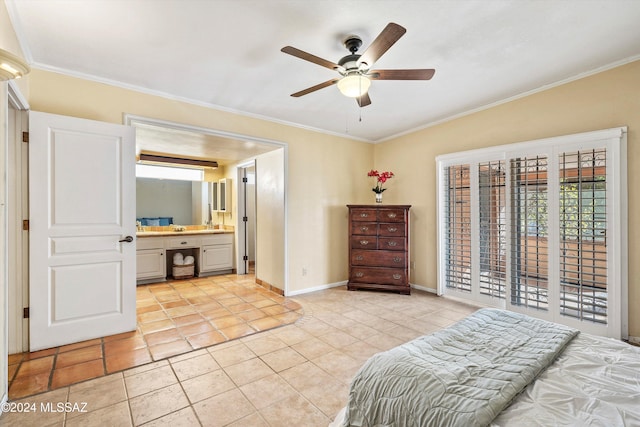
[152, 158]
[354, 85]
[12, 66]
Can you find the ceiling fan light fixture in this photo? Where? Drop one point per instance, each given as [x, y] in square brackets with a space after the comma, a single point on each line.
[11, 66]
[354, 85]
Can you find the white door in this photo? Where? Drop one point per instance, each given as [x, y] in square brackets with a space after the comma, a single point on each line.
[82, 215]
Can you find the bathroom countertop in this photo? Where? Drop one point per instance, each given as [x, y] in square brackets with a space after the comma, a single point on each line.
[181, 233]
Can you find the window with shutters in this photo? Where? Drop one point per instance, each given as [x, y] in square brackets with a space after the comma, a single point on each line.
[540, 228]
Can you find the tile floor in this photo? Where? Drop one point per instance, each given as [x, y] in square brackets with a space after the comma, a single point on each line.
[295, 375]
[173, 318]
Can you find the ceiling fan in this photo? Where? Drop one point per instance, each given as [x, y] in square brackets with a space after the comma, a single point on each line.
[355, 69]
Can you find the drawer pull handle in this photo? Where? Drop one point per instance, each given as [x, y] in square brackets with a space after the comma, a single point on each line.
[392, 243]
[397, 259]
[364, 228]
[364, 242]
[392, 229]
[359, 274]
[359, 258]
[392, 215]
[183, 243]
[364, 215]
[397, 276]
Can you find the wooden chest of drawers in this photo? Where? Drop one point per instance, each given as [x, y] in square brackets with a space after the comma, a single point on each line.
[379, 247]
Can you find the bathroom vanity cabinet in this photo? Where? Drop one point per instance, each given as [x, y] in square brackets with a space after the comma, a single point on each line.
[213, 252]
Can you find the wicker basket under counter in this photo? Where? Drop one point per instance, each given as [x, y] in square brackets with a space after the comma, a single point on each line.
[379, 247]
[186, 271]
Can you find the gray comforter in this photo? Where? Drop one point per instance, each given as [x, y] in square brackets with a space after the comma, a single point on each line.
[464, 375]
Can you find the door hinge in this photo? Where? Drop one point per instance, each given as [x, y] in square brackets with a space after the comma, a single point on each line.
[245, 258]
[25, 137]
[25, 224]
[25, 313]
[245, 218]
[245, 179]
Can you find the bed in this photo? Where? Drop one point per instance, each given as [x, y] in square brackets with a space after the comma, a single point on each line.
[498, 368]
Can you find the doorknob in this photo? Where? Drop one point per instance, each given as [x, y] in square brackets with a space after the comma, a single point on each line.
[127, 239]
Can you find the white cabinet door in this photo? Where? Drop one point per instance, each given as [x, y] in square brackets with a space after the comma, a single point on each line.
[82, 264]
[216, 257]
[150, 264]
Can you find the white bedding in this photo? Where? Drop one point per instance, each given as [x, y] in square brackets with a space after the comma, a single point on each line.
[594, 382]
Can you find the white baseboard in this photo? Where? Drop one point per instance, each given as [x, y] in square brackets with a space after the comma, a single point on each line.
[423, 288]
[316, 288]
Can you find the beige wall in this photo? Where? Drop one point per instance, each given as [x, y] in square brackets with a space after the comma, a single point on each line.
[604, 100]
[270, 217]
[325, 173]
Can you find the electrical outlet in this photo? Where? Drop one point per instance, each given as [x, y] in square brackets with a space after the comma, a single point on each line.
[412, 264]
[304, 271]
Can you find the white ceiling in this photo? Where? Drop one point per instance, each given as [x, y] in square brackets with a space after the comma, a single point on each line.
[226, 53]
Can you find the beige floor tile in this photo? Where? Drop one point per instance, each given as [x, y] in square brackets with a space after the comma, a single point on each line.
[224, 408]
[312, 348]
[338, 339]
[263, 344]
[294, 412]
[282, 359]
[183, 418]
[158, 403]
[207, 385]
[329, 396]
[360, 350]
[98, 393]
[149, 381]
[305, 375]
[235, 352]
[189, 355]
[248, 371]
[114, 415]
[147, 367]
[194, 367]
[384, 341]
[338, 364]
[268, 390]
[291, 334]
[253, 420]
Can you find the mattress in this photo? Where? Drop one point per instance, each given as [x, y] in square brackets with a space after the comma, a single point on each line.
[595, 381]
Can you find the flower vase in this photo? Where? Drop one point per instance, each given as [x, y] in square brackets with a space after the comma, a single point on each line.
[378, 197]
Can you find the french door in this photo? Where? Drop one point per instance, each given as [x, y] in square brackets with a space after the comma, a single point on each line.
[539, 228]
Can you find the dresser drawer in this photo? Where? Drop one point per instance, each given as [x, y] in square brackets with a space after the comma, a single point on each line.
[364, 214]
[364, 228]
[391, 229]
[387, 276]
[364, 242]
[392, 243]
[378, 258]
[391, 215]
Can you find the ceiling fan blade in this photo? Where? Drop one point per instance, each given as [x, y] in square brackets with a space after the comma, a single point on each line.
[364, 100]
[309, 57]
[315, 88]
[425, 74]
[391, 34]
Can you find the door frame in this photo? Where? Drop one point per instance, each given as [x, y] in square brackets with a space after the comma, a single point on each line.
[17, 239]
[241, 228]
[131, 119]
